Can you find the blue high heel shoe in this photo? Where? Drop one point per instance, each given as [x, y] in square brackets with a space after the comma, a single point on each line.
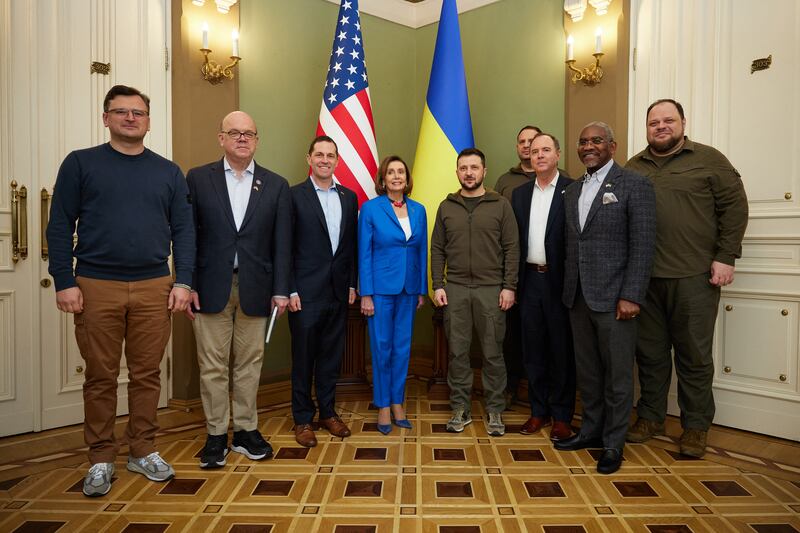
[385, 428]
[404, 423]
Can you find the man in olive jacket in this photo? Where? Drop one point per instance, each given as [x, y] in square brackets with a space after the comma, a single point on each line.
[475, 238]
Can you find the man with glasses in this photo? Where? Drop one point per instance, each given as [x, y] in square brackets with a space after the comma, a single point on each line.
[701, 209]
[130, 207]
[610, 234]
[242, 216]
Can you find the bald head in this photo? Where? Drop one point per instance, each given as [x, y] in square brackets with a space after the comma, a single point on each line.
[238, 137]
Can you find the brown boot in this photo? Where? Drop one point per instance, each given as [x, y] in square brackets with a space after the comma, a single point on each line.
[693, 442]
[644, 430]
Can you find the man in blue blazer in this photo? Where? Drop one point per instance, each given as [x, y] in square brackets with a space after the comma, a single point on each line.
[322, 285]
[242, 217]
[611, 231]
[546, 336]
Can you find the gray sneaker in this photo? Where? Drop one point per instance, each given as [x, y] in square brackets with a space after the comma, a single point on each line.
[458, 421]
[495, 426]
[152, 466]
[98, 479]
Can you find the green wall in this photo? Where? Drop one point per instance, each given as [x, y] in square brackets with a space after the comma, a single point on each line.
[513, 53]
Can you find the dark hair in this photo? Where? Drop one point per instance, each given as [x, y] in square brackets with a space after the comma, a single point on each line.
[124, 90]
[471, 151]
[677, 105]
[529, 127]
[380, 184]
[555, 141]
[323, 139]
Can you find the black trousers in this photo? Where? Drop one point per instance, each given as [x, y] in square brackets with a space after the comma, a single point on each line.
[547, 350]
[317, 347]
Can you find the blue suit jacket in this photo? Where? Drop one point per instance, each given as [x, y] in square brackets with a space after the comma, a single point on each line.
[387, 263]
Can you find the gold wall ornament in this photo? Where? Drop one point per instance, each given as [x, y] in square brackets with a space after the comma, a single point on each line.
[591, 75]
[213, 72]
[761, 64]
[100, 68]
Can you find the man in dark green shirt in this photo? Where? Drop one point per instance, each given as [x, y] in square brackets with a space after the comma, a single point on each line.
[701, 214]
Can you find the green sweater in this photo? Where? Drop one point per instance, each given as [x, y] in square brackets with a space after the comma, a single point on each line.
[477, 248]
[701, 209]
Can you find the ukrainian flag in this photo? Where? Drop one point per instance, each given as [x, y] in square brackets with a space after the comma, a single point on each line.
[446, 127]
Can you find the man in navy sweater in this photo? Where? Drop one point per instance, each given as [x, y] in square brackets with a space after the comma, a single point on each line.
[130, 206]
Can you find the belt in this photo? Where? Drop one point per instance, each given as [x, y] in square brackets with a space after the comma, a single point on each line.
[537, 268]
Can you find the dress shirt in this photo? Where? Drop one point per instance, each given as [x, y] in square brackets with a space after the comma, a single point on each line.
[239, 194]
[332, 208]
[537, 224]
[405, 223]
[591, 184]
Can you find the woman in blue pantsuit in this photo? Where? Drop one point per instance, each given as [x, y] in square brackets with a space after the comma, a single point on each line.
[393, 276]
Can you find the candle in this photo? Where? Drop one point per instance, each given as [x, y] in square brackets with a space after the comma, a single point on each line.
[205, 35]
[598, 41]
[570, 54]
[235, 37]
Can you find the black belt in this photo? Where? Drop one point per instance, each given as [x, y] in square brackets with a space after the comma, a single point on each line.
[537, 268]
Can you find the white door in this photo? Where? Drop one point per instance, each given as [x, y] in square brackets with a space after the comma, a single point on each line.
[56, 106]
[733, 65]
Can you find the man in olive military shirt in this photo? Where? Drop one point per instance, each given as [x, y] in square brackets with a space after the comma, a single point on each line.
[701, 217]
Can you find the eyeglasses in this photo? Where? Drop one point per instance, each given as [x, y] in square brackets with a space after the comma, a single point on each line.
[597, 141]
[236, 134]
[121, 112]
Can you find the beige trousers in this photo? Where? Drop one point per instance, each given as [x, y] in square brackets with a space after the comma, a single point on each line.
[229, 344]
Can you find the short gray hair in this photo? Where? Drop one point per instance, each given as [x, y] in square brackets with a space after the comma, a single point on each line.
[606, 128]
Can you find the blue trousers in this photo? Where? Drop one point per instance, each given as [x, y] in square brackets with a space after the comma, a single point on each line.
[390, 330]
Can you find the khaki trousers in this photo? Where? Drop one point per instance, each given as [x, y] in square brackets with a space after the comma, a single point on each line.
[220, 336]
[113, 311]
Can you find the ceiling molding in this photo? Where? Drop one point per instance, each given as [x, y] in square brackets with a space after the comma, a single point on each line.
[414, 15]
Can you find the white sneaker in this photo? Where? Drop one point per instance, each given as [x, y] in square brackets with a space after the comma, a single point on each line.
[98, 479]
[495, 426]
[458, 421]
[152, 466]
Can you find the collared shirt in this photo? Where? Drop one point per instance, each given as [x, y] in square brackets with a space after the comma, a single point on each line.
[239, 186]
[332, 208]
[591, 184]
[537, 225]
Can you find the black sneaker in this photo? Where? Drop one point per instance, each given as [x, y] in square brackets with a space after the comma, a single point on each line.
[214, 451]
[251, 444]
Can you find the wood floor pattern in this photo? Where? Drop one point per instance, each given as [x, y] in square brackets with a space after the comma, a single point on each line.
[421, 480]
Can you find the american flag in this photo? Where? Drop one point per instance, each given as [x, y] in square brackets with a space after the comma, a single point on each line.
[346, 112]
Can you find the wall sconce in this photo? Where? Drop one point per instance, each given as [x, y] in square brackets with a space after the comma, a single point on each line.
[213, 72]
[591, 75]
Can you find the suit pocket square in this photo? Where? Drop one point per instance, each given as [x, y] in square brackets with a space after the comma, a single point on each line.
[609, 198]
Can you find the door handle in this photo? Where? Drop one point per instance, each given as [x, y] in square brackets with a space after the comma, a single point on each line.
[45, 220]
[19, 222]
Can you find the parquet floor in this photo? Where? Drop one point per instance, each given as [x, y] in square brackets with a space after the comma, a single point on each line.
[420, 480]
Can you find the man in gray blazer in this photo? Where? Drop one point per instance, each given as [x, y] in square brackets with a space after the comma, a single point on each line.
[610, 234]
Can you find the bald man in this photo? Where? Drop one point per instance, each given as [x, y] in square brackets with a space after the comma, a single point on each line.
[242, 216]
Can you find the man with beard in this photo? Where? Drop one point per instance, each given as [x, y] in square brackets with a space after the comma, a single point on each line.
[610, 240]
[522, 173]
[475, 241]
[701, 209]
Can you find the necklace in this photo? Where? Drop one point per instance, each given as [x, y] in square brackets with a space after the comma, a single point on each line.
[401, 203]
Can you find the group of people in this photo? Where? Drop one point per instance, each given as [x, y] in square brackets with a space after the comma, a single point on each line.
[566, 263]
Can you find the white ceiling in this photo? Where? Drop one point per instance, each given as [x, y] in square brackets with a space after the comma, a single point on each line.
[413, 14]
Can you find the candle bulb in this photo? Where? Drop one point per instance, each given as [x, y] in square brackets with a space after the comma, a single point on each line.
[205, 35]
[598, 41]
[235, 37]
[570, 54]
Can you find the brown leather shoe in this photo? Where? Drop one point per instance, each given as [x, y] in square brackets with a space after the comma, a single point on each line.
[560, 431]
[335, 426]
[304, 435]
[533, 425]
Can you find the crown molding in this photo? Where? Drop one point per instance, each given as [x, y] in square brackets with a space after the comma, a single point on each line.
[413, 15]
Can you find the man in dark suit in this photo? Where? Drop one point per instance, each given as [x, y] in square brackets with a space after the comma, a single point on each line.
[546, 337]
[242, 217]
[324, 222]
[611, 230]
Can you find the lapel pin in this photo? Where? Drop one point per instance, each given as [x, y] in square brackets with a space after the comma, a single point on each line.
[258, 182]
[255, 188]
[608, 185]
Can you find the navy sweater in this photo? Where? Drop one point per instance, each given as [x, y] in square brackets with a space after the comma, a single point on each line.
[128, 210]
